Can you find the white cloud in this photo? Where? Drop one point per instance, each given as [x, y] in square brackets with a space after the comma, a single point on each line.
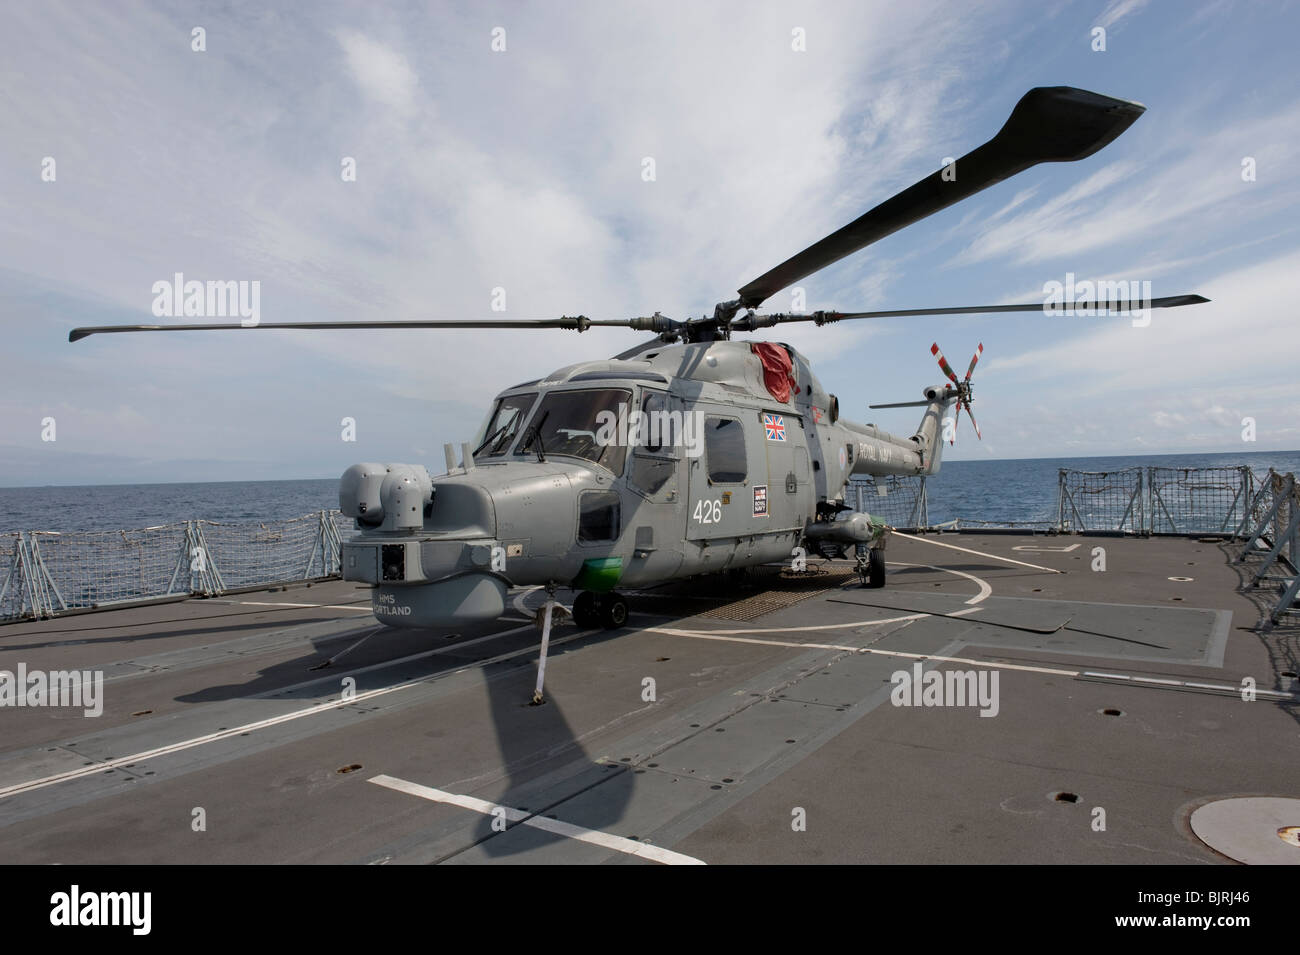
[382, 73]
[1131, 199]
[1116, 10]
[520, 170]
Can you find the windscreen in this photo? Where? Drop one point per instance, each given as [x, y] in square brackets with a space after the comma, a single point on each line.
[581, 424]
[503, 425]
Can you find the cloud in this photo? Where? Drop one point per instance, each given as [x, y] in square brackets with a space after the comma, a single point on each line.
[1116, 10]
[1131, 199]
[383, 74]
[522, 170]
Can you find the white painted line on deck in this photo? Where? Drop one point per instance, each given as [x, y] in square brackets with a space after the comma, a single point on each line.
[1186, 685]
[324, 706]
[980, 597]
[591, 836]
[716, 635]
[262, 603]
[518, 601]
[977, 553]
[987, 664]
[984, 591]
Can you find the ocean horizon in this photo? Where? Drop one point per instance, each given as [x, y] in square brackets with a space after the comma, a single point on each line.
[1007, 489]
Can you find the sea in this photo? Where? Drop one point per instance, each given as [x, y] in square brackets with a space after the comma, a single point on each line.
[1006, 490]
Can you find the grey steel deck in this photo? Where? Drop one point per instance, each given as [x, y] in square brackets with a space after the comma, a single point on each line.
[214, 704]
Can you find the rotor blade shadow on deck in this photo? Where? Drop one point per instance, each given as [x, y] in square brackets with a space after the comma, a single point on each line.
[954, 616]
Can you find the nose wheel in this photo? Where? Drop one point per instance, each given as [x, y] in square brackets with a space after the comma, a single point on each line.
[599, 610]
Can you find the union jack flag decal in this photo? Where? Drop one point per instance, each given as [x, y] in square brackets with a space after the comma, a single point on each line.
[774, 424]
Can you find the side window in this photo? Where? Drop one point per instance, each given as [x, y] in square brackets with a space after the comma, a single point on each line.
[650, 473]
[724, 450]
[661, 436]
[660, 429]
[597, 516]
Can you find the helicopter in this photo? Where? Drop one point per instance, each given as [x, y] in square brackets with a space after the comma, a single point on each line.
[691, 453]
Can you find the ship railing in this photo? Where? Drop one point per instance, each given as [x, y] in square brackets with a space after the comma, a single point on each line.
[1111, 501]
[900, 500]
[997, 526]
[1140, 501]
[1275, 535]
[44, 573]
[1199, 500]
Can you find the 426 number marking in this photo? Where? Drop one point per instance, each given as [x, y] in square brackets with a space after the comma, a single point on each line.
[707, 512]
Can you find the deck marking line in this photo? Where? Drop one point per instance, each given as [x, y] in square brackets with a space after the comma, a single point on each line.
[262, 603]
[981, 663]
[985, 589]
[518, 601]
[592, 836]
[849, 649]
[1185, 684]
[967, 550]
[322, 707]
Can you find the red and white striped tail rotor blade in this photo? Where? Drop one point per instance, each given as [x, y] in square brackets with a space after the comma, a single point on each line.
[943, 363]
[978, 351]
[973, 421]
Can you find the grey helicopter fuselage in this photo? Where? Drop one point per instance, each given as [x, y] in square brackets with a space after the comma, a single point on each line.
[621, 473]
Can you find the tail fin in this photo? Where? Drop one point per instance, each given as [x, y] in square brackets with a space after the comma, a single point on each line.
[929, 434]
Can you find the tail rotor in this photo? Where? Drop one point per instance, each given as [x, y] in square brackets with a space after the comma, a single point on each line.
[964, 393]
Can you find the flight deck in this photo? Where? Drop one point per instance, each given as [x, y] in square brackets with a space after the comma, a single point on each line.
[767, 717]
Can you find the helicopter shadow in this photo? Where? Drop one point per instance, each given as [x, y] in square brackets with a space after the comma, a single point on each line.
[547, 764]
[533, 741]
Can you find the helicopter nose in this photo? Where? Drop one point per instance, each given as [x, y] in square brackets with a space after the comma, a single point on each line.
[429, 549]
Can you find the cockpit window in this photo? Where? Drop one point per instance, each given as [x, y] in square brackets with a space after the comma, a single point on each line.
[503, 425]
[581, 424]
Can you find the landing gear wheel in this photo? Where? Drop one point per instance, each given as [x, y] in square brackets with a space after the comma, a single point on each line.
[613, 611]
[586, 613]
[876, 568]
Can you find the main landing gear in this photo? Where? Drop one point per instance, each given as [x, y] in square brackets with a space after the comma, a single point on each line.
[599, 610]
[871, 567]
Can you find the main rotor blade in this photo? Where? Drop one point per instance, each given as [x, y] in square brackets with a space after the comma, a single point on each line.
[578, 322]
[1049, 124]
[902, 404]
[749, 323]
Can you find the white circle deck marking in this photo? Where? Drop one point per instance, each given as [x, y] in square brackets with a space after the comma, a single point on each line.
[1250, 828]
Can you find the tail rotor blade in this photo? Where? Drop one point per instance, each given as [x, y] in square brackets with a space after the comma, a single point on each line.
[973, 422]
[978, 351]
[943, 363]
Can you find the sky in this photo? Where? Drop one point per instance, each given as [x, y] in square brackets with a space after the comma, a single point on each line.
[503, 146]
